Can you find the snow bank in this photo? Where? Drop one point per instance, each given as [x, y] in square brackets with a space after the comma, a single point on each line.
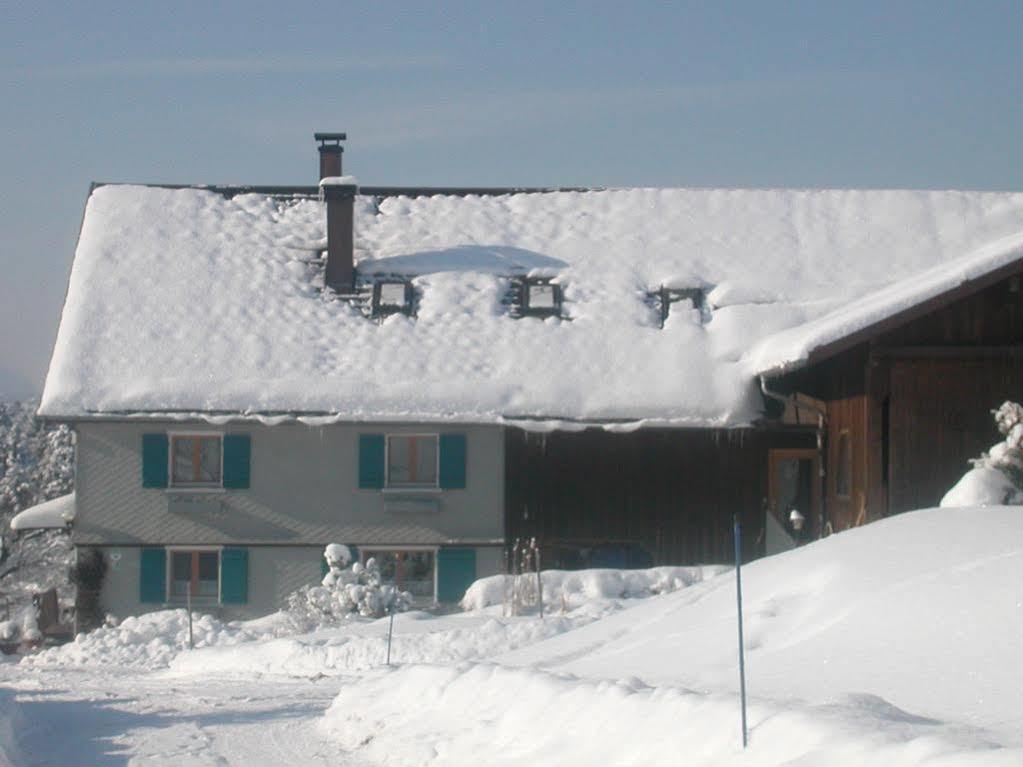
[148, 641]
[418, 638]
[430, 715]
[893, 643]
[573, 588]
[982, 486]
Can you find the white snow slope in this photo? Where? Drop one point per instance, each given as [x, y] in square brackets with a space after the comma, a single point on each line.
[160, 273]
[891, 644]
[895, 643]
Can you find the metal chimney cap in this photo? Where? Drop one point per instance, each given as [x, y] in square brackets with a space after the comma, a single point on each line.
[334, 137]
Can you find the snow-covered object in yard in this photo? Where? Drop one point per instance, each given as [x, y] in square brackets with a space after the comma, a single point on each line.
[357, 590]
[997, 476]
[772, 260]
[57, 513]
[573, 588]
[891, 643]
[148, 641]
[337, 555]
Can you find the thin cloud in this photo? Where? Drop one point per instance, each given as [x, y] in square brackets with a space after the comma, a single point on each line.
[229, 65]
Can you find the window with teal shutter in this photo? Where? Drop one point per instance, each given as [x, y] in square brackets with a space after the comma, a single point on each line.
[371, 461]
[453, 453]
[153, 576]
[237, 460]
[234, 576]
[456, 570]
[154, 460]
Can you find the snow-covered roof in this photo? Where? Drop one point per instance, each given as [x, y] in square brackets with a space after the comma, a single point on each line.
[55, 513]
[192, 301]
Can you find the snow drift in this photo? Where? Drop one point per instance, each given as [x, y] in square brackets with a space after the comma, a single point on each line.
[573, 588]
[893, 643]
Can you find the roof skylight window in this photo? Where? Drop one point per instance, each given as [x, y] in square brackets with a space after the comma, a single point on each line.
[693, 300]
[392, 297]
[537, 297]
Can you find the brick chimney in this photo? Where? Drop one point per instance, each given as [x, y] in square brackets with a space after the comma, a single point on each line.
[339, 193]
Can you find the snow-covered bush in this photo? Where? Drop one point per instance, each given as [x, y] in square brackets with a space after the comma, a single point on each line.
[997, 476]
[349, 588]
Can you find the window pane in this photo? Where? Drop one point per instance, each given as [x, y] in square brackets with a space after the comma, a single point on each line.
[410, 571]
[209, 568]
[541, 296]
[398, 449]
[181, 573]
[426, 460]
[184, 459]
[209, 463]
[392, 294]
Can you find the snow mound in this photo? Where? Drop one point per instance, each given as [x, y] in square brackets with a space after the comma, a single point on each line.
[418, 638]
[516, 716]
[893, 643]
[147, 642]
[572, 588]
[982, 486]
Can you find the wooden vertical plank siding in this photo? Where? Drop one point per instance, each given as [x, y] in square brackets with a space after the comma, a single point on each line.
[916, 399]
[670, 491]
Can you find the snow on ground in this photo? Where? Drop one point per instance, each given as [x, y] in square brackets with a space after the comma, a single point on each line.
[10, 720]
[893, 644]
[575, 588]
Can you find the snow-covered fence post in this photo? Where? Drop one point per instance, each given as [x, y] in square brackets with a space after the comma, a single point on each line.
[539, 579]
[737, 532]
[191, 642]
[390, 632]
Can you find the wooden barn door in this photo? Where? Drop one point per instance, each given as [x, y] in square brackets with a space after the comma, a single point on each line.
[940, 418]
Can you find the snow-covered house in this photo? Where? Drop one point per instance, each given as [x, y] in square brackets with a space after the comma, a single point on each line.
[429, 374]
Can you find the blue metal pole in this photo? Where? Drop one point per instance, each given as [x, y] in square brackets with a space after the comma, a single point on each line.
[737, 530]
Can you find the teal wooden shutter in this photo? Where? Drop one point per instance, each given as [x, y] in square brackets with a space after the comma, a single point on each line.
[234, 576]
[237, 459]
[452, 461]
[456, 570]
[154, 460]
[153, 576]
[371, 461]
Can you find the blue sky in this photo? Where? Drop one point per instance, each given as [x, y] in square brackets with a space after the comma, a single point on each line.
[858, 94]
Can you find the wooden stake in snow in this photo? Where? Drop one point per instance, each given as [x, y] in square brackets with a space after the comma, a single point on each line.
[390, 633]
[737, 528]
[191, 643]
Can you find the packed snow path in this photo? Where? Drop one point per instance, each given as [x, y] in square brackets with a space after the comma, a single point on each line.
[112, 718]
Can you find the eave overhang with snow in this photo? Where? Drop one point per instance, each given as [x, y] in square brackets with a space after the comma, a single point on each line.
[188, 303]
[57, 513]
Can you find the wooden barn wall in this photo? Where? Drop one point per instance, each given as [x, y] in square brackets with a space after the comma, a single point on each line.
[671, 491]
[916, 400]
[944, 372]
[990, 318]
[842, 384]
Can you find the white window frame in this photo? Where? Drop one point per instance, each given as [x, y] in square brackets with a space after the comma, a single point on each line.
[193, 487]
[388, 485]
[385, 548]
[169, 567]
